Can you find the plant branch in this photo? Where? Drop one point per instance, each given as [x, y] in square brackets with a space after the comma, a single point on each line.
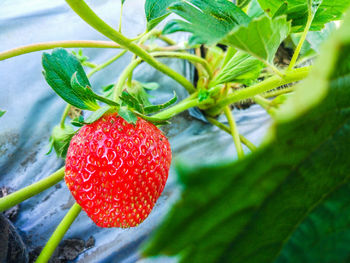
[58, 234]
[107, 63]
[277, 92]
[301, 41]
[85, 12]
[118, 88]
[53, 44]
[64, 115]
[223, 127]
[234, 132]
[261, 87]
[187, 56]
[19, 196]
[120, 16]
[178, 108]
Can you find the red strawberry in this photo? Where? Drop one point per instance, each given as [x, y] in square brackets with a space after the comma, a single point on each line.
[116, 171]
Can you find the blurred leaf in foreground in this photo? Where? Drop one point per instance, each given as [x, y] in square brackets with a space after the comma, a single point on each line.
[247, 210]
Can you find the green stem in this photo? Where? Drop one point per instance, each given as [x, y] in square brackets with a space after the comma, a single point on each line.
[187, 56]
[264, 103]
[277, 92]
[167, 40]
[85, 12]
[223, 127]
[301, 41]
[180, 107]
[50, 45]
[89, 64]
[261, 87]
[234, 132]
[19, 196]
[58, 234]
[107, 63]
[118, 88]
[120, 16]
[64, 115]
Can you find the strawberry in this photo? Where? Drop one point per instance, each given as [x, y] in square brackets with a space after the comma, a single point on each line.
[116, 171]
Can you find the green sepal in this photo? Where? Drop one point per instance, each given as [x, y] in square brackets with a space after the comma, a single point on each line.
[132, 102]
[78, 121]
[127, 115]
[60, 139]
[98, 114]
[2, 112]
[155, 108]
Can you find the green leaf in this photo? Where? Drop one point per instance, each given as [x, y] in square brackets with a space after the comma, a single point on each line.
[324, 235]
[208, 21]
[2, 112]
[324, 11]
[155, 108]
[61, 71]
[242, 3]
[156, 11]
[254, 9]
[132, 102]
[261, 38]
[127, 115]
[60, 139]
[241, 68]
[245, 211]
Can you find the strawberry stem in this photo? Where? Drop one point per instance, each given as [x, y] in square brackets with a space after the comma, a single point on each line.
[223, 127]
[64, 115]
[89, 16]
[261, 87]
[54, 44]
[234, 131]
[58, 234]
[107, 63]
[19, 196]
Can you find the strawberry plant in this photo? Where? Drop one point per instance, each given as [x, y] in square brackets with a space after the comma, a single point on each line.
[285, 200]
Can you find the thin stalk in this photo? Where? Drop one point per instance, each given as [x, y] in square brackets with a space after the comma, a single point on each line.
[86, 13]
[167, 40]
[89, 64]
[187, 56]
[118, 88]
[261, 87]
[223, 127]
[19, 196]
[58, 234]
[107, 63]
[301, 41]
[264, 103]
[180, 107]
[141, 41]
[234, 132]
[120, 16]
[50, 45]
[277, 92]
[64, 115]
